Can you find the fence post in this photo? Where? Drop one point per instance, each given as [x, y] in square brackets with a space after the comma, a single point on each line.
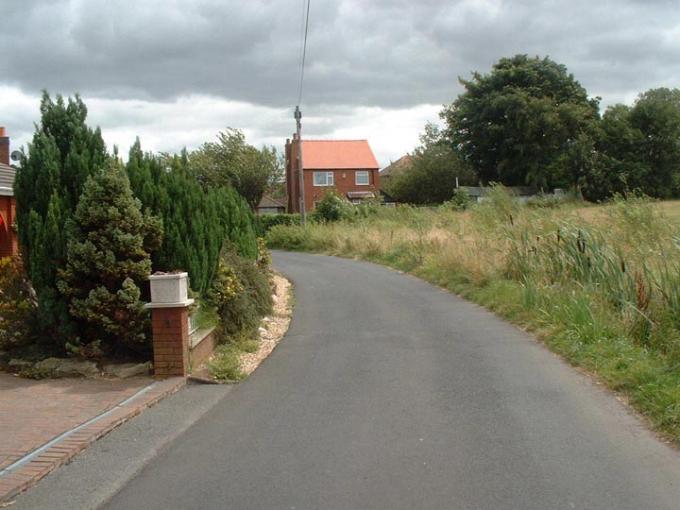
[170, 324]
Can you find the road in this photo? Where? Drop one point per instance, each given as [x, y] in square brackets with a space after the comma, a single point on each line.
[388, 393]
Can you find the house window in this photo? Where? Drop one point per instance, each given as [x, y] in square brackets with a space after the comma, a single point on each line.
[323, 179]
[361, 178]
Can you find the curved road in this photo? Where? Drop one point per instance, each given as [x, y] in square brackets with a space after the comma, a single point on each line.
[388, 393]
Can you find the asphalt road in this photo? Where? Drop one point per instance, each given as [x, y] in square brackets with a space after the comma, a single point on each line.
[388, 393]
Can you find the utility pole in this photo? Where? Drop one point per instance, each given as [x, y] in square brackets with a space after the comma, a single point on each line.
[301, 177]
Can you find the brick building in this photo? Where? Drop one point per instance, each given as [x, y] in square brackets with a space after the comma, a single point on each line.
[347, 166]
[8, 238]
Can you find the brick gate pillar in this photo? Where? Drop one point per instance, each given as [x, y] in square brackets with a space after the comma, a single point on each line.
[170, 324]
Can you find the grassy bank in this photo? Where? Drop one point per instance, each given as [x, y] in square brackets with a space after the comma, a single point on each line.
[599, 285]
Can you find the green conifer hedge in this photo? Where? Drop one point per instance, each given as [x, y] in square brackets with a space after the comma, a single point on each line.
[197, 221]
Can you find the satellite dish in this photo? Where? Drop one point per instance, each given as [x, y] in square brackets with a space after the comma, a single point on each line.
[16, 155]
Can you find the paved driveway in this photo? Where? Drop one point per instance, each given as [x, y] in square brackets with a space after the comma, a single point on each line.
[33, 412]
[388, 393]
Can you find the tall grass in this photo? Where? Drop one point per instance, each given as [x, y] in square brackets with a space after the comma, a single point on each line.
[601, 286]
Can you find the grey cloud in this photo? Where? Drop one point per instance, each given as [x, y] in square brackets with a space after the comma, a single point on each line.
[382, 53]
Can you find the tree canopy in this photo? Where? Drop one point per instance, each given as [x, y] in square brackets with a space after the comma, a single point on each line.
[230, 161]
[518, 124]
[432, 172]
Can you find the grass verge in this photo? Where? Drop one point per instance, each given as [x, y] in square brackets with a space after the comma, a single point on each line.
[599, 286]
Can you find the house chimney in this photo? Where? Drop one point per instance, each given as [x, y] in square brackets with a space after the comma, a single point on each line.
[4, 146]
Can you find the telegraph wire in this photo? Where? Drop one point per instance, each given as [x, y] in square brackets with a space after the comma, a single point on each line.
[304, 51]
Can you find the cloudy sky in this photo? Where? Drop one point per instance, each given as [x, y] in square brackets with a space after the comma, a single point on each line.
[174, 72]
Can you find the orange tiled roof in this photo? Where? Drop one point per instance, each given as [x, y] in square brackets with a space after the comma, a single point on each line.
[338, 154]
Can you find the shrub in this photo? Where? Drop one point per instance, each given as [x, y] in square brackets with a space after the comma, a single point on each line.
[332, 207]
[267, 221]
[460, 200]
[241, 294]
[108, 259]
[17, 305]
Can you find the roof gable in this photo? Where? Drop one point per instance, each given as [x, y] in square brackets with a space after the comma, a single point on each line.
[338, 154]
[397, 167]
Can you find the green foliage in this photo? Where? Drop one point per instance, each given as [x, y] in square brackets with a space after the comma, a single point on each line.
[107, 260]
[63, 154]
[434, 170]
[232, 162]
[266, 221]
[17, 305]
[197, 220]
[264, 257]
[518, 124]
[332, 207]
[637, 148]
[241, 294]
[226, 363]
[460, 200]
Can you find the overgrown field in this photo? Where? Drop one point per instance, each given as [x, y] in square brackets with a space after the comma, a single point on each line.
[599, 285]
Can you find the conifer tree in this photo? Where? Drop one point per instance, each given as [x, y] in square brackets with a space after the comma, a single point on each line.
[107, 260]
[197, 220]
[63, 153]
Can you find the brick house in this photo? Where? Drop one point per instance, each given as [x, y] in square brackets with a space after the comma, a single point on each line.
[347, 166]
[8, 237]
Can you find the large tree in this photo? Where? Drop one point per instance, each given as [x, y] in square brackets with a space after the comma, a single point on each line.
[432, 173]
[230, 161]
[516, 124]
[656, 114]
[638, 148]
[63, 154]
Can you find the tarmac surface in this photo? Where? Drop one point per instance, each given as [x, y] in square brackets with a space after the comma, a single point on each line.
[389, 393]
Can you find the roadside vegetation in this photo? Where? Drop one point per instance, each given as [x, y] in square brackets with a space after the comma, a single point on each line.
[92, 228]
[600, 285]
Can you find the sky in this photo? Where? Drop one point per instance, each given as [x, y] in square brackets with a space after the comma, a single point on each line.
[175, 72]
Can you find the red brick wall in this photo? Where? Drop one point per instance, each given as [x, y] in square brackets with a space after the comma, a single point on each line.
[170, 341]
[344, 182]
[4, 147]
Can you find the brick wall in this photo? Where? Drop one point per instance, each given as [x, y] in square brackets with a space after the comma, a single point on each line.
[170, 341]
[344, 181]
[4, 146]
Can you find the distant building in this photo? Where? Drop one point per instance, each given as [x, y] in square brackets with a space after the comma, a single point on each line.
[269, 205]
[8, 237]
[347, 166]
[393, 169]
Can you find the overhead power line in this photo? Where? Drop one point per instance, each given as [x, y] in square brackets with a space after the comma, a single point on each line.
[304, 50]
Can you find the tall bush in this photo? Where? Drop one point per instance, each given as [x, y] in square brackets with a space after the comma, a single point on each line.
[241, 294]
[63, 154]
[107, 261]
[197, 220]
[17, 305]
